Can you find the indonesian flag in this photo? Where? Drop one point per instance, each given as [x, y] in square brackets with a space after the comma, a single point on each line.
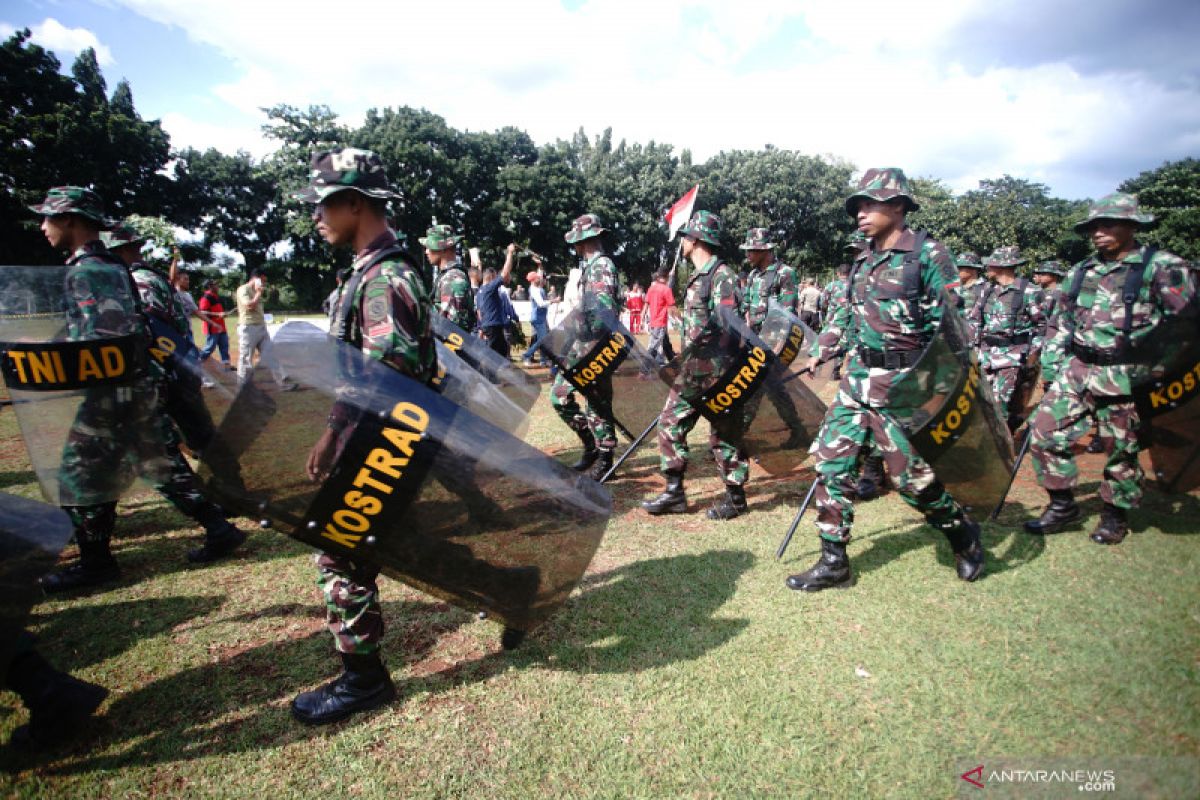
[678, 214]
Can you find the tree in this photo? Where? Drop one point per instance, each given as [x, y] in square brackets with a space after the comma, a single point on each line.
[1172, 193]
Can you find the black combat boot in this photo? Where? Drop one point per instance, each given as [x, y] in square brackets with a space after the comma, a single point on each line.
[733, 504]
[1061, 512]
[832, 570]
[672, 500]
[589, 454]
[604, 462]
[220, 540]
[95, 567]
[1113, 527]
[873, 482]
[963, 535]
[364, 685]
[57, 702]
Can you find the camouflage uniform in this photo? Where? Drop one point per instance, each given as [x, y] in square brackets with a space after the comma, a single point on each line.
[775, 280]
[598, 289]
[452, 292]
[390, 320]
[877, 320]
[701, 331]
[1091, 370]
[1008, 345]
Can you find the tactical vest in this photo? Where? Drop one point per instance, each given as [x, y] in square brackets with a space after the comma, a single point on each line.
[1016, 305]
[349, 327]
[1134, 280]
[910, 280]
[446, 276]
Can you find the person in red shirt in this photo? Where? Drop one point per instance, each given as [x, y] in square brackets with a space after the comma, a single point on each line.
[212, 311]
[660, 300]
[636, 303]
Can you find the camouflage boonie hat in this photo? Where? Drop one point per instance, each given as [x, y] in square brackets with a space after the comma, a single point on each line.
[439, 237]
[705, 226]
[586, 227]
[122, 235]
[345, 168]
[1009, 257]
[968, 259]
[756, 239]
[882, 183]
[1051, 268]
[1117, 205]
[73, 200]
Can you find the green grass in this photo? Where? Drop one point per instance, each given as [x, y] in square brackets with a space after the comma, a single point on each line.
[682, 667]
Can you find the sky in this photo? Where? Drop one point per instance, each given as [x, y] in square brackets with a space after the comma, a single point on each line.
[1077, 94]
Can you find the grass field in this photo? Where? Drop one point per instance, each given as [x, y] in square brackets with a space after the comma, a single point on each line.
[682, 667]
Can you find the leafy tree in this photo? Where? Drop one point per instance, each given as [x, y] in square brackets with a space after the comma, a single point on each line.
[1172, 193]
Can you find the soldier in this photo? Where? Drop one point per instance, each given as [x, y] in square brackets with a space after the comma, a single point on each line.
[72, 218]
[452, 291]
[970, 283]
[885, 327]
[178, 391]
[1008, 322]
[711, 285]
[1099, 345]
[597, 286]
[387, 314]
[768, 278]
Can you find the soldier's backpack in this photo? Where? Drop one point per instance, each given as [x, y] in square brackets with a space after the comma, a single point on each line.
[347, 327]
[1015, 305]
[739, 297]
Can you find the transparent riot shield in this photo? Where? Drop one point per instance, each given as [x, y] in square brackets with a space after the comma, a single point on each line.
[437, 496]
[74, 356]
[608, 366]
[31, 536]
[947, 408]
[515, 383]
[738, 383]
[1169, 409]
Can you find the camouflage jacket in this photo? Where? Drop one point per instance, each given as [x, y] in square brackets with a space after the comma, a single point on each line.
[100, 302]
[598, 286]
[159, 300]
[456, 301]
[968, 295]
[1004, 340]
[776, 280]
[710, 287]
[391, 311]
[1095, 319]
[1050, 300]
[833, 296]
[878, 316]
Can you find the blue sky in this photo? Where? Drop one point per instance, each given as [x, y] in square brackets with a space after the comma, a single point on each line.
[1079, 95]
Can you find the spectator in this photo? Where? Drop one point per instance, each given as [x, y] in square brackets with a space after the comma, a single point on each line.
[212, 311]
[183, 282]
[809, 302]
[493, 318]
[253, 334]
[330, 304]
[539, 309]
[659, 302]
[636, 303]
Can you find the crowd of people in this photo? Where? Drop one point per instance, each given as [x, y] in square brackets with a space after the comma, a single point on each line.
[1085, 336]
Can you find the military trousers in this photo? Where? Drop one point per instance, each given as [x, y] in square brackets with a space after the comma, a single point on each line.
[676, 421]
[581, 419]
[352, 610]
[849, 433]
[1065, 416]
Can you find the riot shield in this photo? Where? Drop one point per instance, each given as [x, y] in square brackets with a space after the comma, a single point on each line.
[739, 384]
[31, 536]
[951, 418]
[1169, 409]
[608, 366]
[437, 496]
[516, 385]
[77, 369]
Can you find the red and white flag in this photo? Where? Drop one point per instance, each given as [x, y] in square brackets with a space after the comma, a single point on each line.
[678, 214]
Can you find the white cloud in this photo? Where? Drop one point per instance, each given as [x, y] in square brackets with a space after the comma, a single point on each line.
[228, 138]
[875, 82]
[53, 35]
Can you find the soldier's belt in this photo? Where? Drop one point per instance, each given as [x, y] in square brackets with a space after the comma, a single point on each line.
[1103, 358]
[889, 359]
[1002, 340]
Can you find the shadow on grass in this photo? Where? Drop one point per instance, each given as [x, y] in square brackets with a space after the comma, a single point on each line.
[19, 478]
[1173, 514]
